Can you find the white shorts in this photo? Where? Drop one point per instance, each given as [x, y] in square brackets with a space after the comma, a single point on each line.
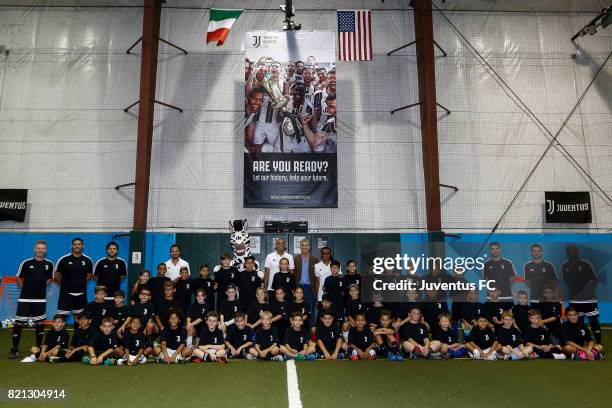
[267, 135]
[131, 358]
[476, 354]
[170, 353]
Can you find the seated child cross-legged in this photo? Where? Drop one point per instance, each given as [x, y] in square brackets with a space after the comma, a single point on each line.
[79, 345]
[482, 343]
[510, 339]
[103, 346]
[173, 347]
[385, 338]
[209, 345]
[444, 339]
[361, 343]
[329, 338]
[56, 339]
[296, 342]
[538, 338]
[415, 336]
[239, 338]
[576, 338]
[266, 340]
[134, 344]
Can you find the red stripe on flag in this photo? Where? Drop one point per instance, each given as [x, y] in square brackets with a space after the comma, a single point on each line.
[359, 42]
[369, 35]
[354, 45]
[339, 46]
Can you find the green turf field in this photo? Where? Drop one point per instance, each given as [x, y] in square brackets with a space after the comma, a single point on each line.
[461, 383]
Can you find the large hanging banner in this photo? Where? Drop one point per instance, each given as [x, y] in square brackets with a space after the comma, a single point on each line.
[290, 120]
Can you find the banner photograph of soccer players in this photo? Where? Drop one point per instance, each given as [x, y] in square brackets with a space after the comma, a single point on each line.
[290, 137]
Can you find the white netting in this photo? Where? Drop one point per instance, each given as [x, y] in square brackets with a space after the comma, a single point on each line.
[66, 138]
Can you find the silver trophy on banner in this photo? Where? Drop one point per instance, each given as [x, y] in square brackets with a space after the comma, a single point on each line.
[273, 91]
[290, 126]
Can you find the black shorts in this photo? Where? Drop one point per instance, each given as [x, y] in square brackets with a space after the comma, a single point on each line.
[70, 303]
[241, 355]
[37, 311]
[586, 309]
[77, 355]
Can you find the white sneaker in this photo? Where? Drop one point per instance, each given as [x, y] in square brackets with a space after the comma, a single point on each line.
[277, 358]
[250, 357]
[29, 359]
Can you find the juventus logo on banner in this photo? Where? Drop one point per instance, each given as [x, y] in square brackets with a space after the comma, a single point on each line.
[13, 205]
[568, 207]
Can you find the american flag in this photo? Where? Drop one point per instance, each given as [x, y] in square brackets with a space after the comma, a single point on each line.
[355, 35]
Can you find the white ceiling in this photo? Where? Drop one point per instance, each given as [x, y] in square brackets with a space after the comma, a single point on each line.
[564, 6]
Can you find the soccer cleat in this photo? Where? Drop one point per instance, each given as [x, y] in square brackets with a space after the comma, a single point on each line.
[277, 358]
[581, 355]
[196, 360]
[53, 359]
[121, 361]
[372, 357]
[311, 357]
[13, 354]
[596, 355]
[398, 357]
[29, 359]
[249, 356]
[435, 356]
[533, 355]
[515, 357]
[354, 357]
[86, 360]
[340, 356]
[300, 357]
[391, 357]
[109, 362]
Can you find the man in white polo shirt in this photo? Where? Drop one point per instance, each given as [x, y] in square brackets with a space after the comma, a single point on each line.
[271, 265]
[175, 263]
[322, 270]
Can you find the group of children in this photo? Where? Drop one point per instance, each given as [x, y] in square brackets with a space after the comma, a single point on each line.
[246, 322]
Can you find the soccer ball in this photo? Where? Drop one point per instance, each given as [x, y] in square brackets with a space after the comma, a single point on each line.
[8, 323]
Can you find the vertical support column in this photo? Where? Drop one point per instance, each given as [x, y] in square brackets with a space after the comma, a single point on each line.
[423, 30]
[148, 76]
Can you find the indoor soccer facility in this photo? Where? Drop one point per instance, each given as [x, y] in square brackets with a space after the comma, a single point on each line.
[306, 203]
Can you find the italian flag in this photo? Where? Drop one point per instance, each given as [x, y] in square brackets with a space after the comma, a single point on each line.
[221, 21]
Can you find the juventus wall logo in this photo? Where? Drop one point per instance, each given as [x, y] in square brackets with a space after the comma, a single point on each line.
[550, 206]
[256, 40]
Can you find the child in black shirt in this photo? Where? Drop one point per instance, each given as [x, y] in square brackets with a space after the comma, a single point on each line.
[239, 339]
[56, 339]
[296, 342]
[482, 343]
